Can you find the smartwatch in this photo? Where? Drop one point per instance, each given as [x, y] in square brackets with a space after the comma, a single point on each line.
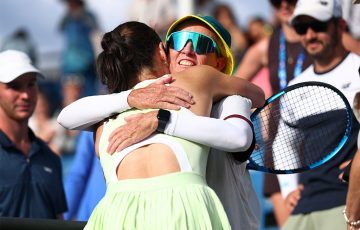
[163, 117]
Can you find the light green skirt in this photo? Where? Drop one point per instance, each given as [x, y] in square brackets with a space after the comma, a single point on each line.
[173, 201]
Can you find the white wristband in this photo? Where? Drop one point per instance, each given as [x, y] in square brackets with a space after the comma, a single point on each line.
[353, 224]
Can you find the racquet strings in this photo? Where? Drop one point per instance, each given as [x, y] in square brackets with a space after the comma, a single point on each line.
[300, 129]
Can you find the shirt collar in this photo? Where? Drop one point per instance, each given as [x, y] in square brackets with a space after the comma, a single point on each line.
[5, 142]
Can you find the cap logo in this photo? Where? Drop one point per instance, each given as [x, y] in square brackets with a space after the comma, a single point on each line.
[324, 3]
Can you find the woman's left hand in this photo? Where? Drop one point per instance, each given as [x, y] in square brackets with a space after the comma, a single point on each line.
[137, 128]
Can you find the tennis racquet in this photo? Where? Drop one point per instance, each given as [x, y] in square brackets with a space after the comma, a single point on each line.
[300, 128]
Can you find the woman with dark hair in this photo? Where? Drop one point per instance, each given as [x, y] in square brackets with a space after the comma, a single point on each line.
[159, 183]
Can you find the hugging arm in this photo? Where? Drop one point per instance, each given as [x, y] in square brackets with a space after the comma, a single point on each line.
[233, 124]
[232, 132]
[84, 113]
[88, 111]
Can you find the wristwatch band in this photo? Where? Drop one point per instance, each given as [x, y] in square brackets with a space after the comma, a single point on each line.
[163, 117]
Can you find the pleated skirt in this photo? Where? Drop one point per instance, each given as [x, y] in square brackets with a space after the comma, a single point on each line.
[173, 201]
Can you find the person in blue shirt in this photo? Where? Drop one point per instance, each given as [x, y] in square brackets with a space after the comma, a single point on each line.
[78, 26]
[84, 184]
[30, 173]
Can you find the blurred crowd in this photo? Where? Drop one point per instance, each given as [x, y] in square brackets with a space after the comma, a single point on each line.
[81, 33]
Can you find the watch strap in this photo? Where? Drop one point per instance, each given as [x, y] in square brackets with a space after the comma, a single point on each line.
[163, 117]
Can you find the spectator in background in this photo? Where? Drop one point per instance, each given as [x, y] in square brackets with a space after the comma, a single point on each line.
[257, 30]
[72, 88]
[30, 173]
[78, 27]
[224, 14]
[66, 140]
[20, 40]
[320, 198]
[42, 121]
[351, 37]
[282, 52]
[351, 14]
[84, 184]
[204, 7]
[158, 14]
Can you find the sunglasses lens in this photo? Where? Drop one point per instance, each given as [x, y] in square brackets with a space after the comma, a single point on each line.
[177, 42]
[204, 45]
[319, 26]
[277, 3]
[201, 43]
[302, 28]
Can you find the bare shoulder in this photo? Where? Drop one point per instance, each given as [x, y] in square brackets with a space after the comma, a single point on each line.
[200, 82]
[199, 74]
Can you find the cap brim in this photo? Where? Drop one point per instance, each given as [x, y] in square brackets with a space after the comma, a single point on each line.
[229, 67]
[20, 71]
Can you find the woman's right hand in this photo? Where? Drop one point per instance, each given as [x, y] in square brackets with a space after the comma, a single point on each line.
[137, 128]
[159, 96]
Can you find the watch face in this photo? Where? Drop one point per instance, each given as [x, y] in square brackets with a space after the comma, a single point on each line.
[163, 115]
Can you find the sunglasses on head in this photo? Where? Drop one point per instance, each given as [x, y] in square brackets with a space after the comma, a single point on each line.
[277, 3]
[202, 44]
[302, 27]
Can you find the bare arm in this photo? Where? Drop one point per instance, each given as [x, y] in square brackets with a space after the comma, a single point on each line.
[353, 196]
[207, 81]
[224, 85]
[255, 58]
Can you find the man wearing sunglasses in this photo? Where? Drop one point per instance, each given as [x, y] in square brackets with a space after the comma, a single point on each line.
[190, 41]
[320, 198]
